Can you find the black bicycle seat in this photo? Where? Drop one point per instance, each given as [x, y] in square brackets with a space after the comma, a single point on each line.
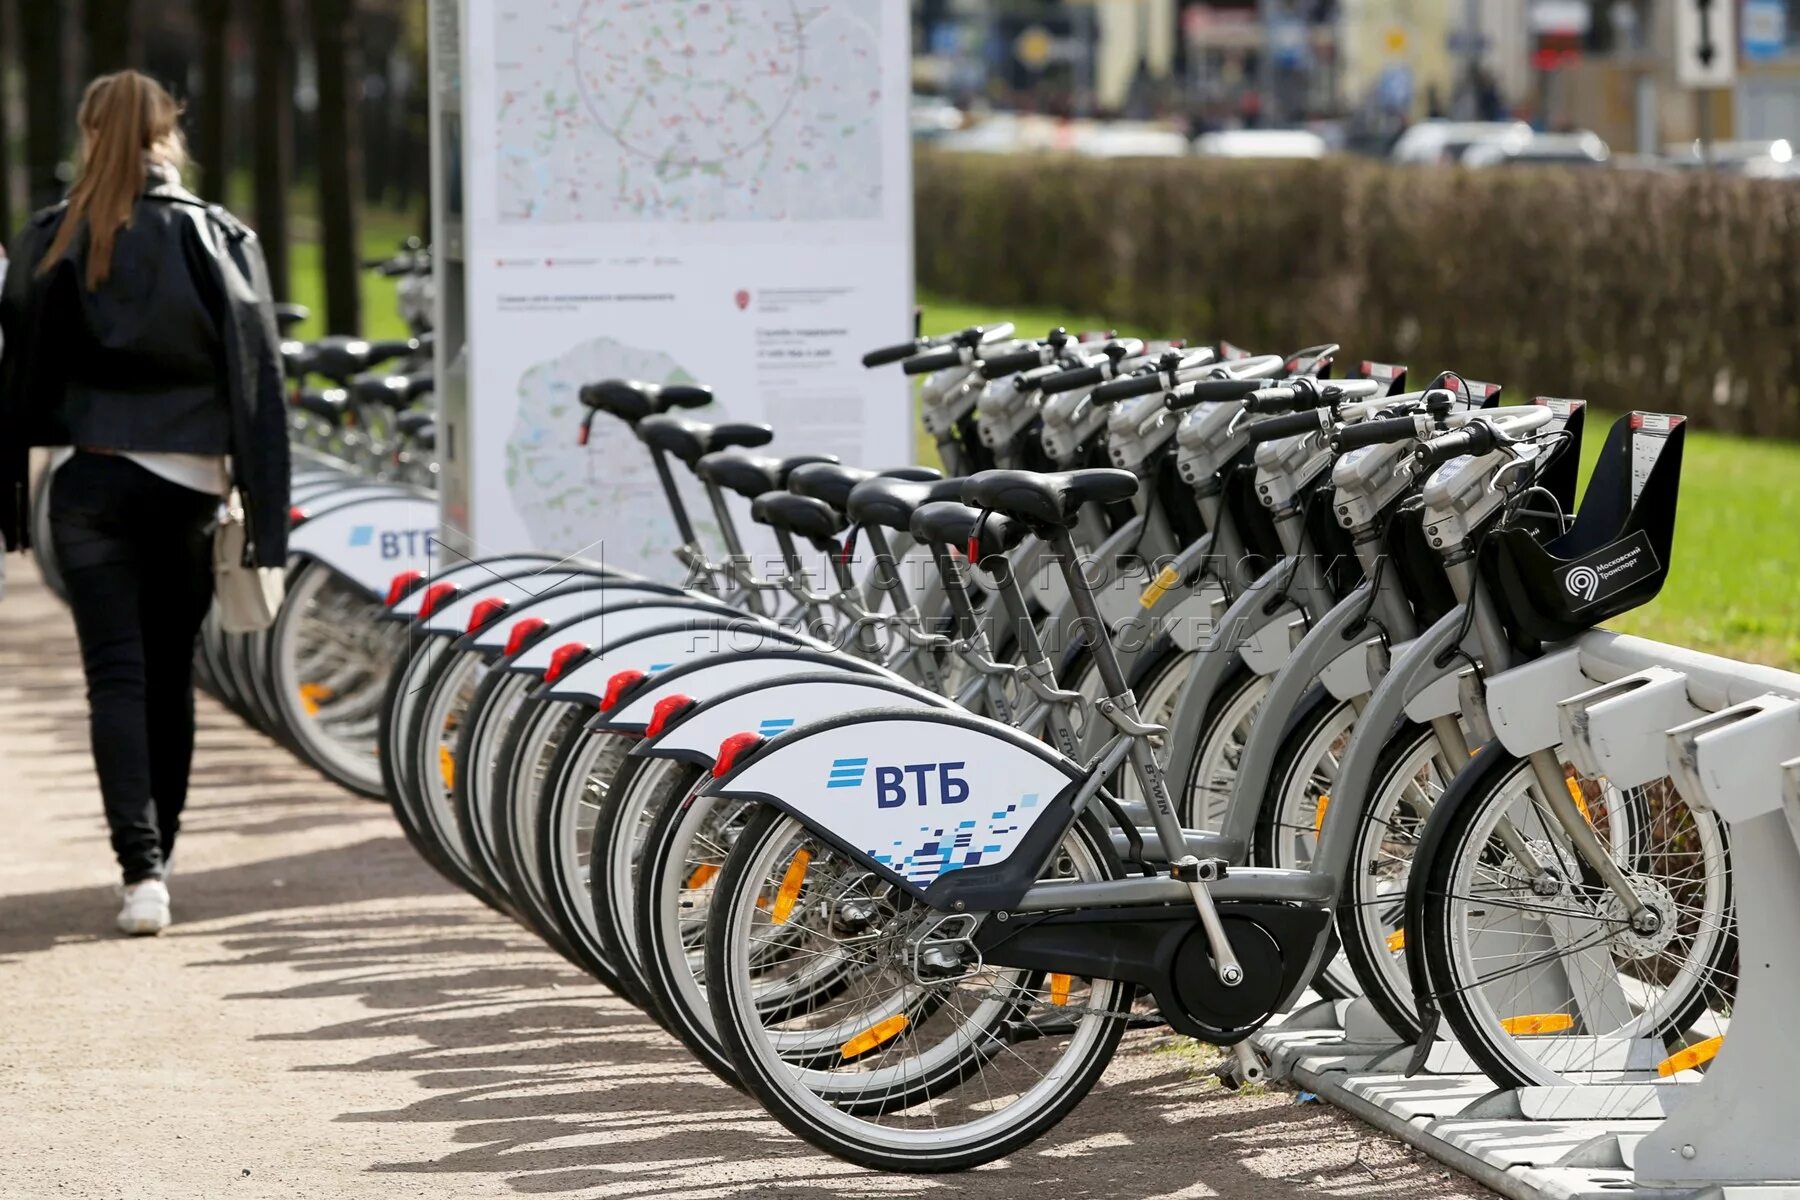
[289, 315]
[833, 482]
[632, 400]
[1052, 498]
[812, 519]
[425, 436]
[341, 359]
[690, 440]
[890, 502]
[395, 391]
[750, 475]
[947, 523]
[410, 423]
[329, 404]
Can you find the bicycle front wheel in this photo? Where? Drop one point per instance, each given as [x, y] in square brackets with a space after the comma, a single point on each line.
[921, 1058]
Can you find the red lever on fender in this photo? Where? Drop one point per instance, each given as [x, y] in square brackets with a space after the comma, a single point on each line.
[561, 658]
[522, 632]
[402, 586]
[732, 749]
[486, 611]
[434, 598]
[666, 710]
[617, 686]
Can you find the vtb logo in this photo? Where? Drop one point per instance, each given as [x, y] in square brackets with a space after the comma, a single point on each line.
[896, 786]
[401, 543]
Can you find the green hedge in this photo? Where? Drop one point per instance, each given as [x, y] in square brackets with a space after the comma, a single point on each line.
[1629, 289]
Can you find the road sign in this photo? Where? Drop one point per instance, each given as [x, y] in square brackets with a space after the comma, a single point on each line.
[1705, 43]
[1765, 29]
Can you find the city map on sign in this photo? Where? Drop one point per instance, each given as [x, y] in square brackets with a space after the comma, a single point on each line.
[688, 110]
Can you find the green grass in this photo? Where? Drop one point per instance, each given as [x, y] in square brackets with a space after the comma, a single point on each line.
[382, 233]
[1734, 586]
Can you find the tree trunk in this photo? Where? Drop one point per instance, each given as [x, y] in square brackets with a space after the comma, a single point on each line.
[7, 216]
[210, 129]
[41, 51]
[339, 162]
[110, 44]
[274, 141]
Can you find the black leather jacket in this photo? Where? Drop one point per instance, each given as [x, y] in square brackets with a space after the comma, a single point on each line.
[176, 352]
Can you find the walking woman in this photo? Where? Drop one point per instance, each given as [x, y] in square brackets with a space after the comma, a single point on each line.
[139, 331]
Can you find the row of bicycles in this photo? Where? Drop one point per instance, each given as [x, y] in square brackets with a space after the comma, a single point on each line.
[1165, 701]
[1168, 704]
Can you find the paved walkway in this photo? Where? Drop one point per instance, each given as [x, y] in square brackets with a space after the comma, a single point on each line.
[328, 1019]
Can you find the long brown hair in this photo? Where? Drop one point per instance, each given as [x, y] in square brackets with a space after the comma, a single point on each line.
[126, 120]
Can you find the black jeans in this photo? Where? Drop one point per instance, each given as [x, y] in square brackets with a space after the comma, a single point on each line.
[136, 551]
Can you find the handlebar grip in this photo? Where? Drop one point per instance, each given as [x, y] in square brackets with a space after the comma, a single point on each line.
[1002, 365]
[1277, 399]
[890, 354]
[1068, 381]
[1476, 438]
[1373, 433]
[937, 360]
[1128, 388]
[1310, 421]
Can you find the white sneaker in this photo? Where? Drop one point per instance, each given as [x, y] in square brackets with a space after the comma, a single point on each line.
[146, 910]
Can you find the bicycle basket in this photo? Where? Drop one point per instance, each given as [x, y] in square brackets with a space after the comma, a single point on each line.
[1615, 556]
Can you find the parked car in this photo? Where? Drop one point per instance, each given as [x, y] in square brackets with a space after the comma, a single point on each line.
[1758, 159]
[1438, 141]
[1261, 143]
[1581, 149]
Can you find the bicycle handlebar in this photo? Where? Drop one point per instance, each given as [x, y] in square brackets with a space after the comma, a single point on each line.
[936, 360]
[1374, 433]
[1129, 387]
[1002, 365]
[1068, 381]
[893, 354]
[1476, 438]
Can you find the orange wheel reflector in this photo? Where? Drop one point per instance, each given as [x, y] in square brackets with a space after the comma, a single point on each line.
[789, 894]
[703, 875]
[447, 767]
[1059, 988]
[1699, 1054]
[875, 1035]
[1319, 814]
[1396, 941]
[1538, 1023]
[1580, 800]
[312, 695]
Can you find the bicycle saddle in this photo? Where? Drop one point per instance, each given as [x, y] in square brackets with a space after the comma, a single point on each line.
[750, 475]
[890, 502]
[812, 519]
[425, 436]
[327, 403]
[689, 440]
[631, 400]
[948, 523]
[289, 315]
[410, 423]
[833, 482]
[341, 358]
[395, 391]
[1052, 498]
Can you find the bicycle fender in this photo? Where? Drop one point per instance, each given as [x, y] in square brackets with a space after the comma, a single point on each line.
[610, 623]
[960, 811]
[715, 675]
[371, 541]
[1215, 662]
[1316, 650]
[656, 650]
[470, 573]
[577, 598]
[772, 709]
[453, 617]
